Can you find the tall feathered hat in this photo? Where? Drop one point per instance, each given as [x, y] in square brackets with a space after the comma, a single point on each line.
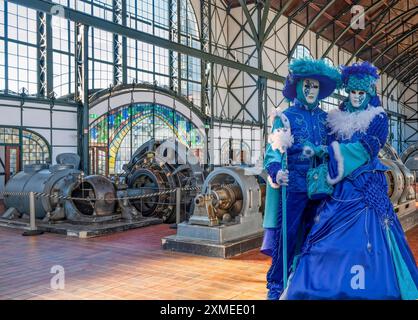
[360, 76]
[329, 77]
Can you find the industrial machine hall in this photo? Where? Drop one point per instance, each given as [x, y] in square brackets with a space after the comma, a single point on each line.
[134, 137]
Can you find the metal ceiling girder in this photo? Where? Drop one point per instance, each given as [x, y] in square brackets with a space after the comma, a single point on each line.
[242, 28]
[336, 18]
[409, 99]
[411, 135]
[377, 4]
[299, 9]
[410, 77]
[119, 17]
[274, 21]
[402, 78]
[399, 40]
[381, 15]
[397, 26]
[250, 21]
[307, 27]
[398, 57]
[377, 32]
[406, 60]
[411, 54]
[412, 81]
[83, 18]
[405, 68]
[263, 23]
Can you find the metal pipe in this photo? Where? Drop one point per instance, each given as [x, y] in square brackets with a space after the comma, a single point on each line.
[32, 225]
[178, 198]
[33, 231]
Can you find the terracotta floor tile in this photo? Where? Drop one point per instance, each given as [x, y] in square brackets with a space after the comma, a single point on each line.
[128, 265]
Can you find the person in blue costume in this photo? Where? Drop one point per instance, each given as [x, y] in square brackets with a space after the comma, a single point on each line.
[356, 248]
[308, 82]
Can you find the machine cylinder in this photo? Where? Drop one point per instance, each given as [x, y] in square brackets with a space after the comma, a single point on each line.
[38, 179]
[61, 181]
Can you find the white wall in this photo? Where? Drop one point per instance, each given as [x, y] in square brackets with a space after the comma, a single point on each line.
[57, 125]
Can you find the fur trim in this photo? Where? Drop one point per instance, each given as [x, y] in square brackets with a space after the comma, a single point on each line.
[340, 164]
[274, 113]
[272, 184]
[344, 124]
[285, 121]
[281, 139]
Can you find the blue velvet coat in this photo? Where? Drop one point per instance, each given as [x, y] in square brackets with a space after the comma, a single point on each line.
[306, 125]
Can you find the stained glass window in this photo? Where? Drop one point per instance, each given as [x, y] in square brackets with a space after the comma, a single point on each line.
[123, 130]
[35, 149]
[9, 135]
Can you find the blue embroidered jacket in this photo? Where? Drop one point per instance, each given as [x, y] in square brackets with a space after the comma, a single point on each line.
[305, 125]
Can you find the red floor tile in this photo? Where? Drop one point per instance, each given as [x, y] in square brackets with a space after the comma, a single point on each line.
[128, 265]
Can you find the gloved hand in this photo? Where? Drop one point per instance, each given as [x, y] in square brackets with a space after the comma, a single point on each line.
[310, 150]
[282, 178]
[276, 175]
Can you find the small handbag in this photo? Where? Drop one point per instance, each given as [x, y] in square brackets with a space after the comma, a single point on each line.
[316, 178]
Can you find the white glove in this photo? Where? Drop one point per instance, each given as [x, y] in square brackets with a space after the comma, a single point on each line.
[282, 177]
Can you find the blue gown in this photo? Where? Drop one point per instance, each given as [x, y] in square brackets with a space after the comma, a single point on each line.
[356, 248]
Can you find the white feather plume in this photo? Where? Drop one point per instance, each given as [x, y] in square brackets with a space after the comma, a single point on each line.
[281, 139]
[345, 124]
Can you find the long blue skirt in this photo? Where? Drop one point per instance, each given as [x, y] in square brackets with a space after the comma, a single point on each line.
[356, 248]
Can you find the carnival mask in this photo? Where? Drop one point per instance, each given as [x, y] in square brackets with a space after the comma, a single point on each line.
[310, 90]
[357, 98]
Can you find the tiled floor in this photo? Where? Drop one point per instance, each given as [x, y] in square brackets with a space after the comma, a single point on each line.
[128, 265]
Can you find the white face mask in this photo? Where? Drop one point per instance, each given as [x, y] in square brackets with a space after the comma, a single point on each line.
[357, 98]
[310, 90]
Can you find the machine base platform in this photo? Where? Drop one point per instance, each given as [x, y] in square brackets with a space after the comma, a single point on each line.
[81, 230]
[407, 214]
[212, 249]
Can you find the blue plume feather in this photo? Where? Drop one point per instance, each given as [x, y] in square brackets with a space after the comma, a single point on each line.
[308, 65]
[359, 70]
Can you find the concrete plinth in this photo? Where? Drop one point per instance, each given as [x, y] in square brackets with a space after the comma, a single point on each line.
[211, 248]
[81, 230]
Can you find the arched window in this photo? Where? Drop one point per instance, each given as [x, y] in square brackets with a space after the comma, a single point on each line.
[116, 135]
[35, 149]
[301, 52]
[328, 61]
[236, 152]
[19, 147]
